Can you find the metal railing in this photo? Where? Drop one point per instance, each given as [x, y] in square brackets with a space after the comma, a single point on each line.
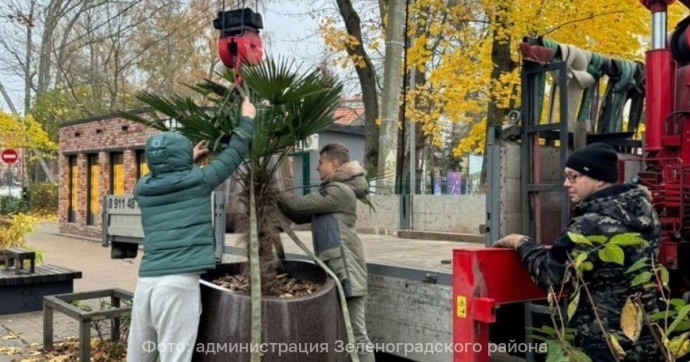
[437, 185]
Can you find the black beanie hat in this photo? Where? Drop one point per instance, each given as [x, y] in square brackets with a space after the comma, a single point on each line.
[597, 160]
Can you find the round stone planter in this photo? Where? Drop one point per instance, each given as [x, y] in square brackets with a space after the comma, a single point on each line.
[308, 328]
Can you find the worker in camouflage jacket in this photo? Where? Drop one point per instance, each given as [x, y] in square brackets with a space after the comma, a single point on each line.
[332, 212]
[604, 214]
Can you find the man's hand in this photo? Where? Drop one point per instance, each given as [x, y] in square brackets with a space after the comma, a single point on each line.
[199, 150]
[646, 191]
[248, 109]
[509, 241]
[285, 195]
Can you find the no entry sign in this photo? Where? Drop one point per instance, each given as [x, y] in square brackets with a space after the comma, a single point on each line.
[9, 156]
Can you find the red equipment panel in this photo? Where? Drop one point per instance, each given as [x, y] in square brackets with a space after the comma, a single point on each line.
[482, 279]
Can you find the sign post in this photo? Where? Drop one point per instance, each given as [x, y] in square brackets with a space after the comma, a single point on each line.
[9, 156]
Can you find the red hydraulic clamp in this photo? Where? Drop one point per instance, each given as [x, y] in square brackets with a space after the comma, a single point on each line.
[482, 279]
[242, 49]
[239, 43]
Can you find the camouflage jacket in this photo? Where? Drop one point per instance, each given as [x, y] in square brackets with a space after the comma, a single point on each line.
[621, 208]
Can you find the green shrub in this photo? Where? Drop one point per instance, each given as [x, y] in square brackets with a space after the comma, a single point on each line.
[12, 205]
[43, 197]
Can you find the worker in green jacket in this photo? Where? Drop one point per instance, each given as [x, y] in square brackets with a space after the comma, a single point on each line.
[175, 202]
[332, 212]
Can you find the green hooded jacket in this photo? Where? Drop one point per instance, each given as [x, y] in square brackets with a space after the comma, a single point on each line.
[174, 198]
[332, 212]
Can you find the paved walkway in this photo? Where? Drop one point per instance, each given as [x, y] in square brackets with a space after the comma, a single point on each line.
[20, 334]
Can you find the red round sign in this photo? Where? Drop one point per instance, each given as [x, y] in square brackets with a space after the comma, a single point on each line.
[9, 156]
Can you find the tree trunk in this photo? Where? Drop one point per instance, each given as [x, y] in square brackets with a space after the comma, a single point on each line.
[46, 48]
[388, 142]
[63, 48]
[28, 84]
[419, 136]
[367, 82]
[500, 58]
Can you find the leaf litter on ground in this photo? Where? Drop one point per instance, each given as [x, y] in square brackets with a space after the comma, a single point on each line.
[286, 287]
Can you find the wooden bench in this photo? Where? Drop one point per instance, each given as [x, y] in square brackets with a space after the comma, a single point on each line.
[15, 257]
[24, 292]
[63, 303]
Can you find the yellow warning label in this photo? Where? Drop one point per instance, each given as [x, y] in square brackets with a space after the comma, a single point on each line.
[461, 307]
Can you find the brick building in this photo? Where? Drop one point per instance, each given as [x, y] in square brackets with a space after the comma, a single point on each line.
[97, 157]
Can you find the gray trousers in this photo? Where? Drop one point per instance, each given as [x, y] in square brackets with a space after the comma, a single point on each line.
[165, 319]
[356, 306]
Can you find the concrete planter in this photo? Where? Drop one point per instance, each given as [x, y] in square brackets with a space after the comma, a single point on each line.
[306, 328]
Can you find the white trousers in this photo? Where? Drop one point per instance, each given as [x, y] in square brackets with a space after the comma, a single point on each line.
[165, 319]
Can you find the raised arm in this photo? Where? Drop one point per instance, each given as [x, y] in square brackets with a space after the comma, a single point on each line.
[227, 161]
[327, 199]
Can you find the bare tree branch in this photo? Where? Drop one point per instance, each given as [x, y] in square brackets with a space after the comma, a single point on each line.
[590, 17]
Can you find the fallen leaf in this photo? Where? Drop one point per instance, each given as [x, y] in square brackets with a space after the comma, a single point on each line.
[10, 351]
[285, 286]
[30, 359]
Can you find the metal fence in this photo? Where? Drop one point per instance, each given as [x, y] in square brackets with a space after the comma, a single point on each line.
[437, 185]
[444, 185]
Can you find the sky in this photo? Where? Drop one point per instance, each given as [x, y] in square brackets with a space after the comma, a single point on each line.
[289, 30]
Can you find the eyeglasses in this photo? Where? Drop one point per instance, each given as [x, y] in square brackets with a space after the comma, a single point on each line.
[572, 178]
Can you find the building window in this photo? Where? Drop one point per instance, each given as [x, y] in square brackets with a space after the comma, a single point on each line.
[117, 173]
[92, 196]
[142, 166]
[73, 182]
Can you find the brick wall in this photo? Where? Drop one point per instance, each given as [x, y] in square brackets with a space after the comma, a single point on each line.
[100, 136]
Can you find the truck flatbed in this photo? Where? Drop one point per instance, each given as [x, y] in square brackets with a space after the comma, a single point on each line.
[384, 251]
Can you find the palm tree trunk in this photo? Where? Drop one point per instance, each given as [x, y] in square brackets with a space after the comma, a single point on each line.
[267, 228]
[255, 273]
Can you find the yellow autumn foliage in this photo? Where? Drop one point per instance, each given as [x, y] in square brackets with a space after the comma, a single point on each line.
[23, 132]
[460, 83]
[452, 42]
[338, 40]
[14, 229]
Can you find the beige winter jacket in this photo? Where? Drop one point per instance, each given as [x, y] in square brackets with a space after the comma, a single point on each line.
[332, 212]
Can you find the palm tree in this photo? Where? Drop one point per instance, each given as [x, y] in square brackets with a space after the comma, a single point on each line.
[290, 107]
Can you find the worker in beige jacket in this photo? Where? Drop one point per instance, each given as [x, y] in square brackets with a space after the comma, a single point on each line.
[332, 212]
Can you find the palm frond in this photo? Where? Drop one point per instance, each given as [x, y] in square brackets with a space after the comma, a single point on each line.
[209, 88]
[298, 105]
[270, 80]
